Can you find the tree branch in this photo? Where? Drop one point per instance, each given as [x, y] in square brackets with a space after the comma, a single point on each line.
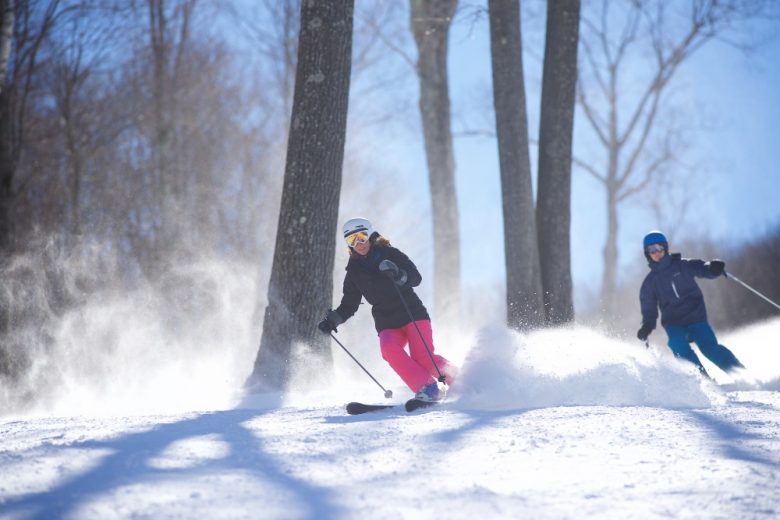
[408, 59]
[589, 169]
[639, 148]
[590, 115]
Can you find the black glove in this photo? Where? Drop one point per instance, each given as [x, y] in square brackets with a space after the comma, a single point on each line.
[717, 267]
[644, 331]
[330, 322]
[389, 269]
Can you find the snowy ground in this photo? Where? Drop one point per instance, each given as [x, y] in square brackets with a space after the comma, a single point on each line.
[559, 424]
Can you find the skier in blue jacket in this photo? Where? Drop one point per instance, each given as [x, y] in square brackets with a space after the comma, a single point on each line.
[671, 286]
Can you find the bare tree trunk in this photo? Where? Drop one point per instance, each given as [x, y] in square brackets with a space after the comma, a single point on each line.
[74, 155]
[161, 50]
[609, 276]
[6, 38]
[6, 177]
[555, 144]
[7, 159]
[301, 285]
[430, 23]
[525, 306]
[168, 42]
[7, 169]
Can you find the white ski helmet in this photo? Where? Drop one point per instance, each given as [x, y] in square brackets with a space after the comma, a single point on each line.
[354, 225]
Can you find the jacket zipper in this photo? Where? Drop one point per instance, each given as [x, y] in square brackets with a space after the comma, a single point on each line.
[674, 288]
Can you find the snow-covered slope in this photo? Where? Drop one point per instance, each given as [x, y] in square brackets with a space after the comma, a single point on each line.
[557, 424]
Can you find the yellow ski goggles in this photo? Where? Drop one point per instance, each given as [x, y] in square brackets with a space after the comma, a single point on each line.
[360, 237]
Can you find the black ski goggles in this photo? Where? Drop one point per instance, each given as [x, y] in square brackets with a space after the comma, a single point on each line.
[654, 248]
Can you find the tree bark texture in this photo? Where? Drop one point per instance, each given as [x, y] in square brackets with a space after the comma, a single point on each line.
[301, 285]
[430, 23]
[6, 199]
[6, 37]
[525, 306]
[7, 169]
[555, 148]
[7, 161]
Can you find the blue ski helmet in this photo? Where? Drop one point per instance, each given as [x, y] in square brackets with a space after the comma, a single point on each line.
[654, 237]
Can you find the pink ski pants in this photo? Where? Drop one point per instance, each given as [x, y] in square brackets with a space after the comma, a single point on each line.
[415, 368]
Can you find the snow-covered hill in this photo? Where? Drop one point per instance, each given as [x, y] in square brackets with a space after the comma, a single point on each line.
[558, 424]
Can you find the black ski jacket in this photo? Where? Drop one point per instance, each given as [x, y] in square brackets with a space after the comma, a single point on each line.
[364, 280]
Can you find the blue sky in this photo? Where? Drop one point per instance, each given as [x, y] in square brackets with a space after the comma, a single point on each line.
[747, 93]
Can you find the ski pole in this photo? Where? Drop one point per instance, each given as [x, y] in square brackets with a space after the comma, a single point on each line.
[428, 350]
[746, 286]
[388, 393]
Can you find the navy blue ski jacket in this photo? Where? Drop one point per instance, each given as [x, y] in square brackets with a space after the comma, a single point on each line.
[671, 286]
[364, 280]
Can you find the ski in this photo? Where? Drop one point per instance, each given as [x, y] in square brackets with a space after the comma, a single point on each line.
[355, 408]
[415, 404]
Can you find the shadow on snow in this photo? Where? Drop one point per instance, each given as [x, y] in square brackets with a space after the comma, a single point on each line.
[126, 466]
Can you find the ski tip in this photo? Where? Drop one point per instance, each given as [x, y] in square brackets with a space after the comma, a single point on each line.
[355, 408]
[415, 404]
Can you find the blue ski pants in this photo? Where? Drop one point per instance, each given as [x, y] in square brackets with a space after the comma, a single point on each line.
[705, 339]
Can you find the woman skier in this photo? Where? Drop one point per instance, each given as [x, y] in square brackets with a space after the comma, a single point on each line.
[671, 286]
[377, 271]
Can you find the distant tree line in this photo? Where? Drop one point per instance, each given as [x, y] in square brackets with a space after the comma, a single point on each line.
[755, 263]
[132, 138]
